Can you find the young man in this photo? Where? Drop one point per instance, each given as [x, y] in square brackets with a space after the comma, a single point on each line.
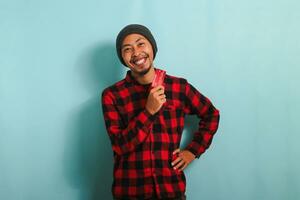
[145, 124]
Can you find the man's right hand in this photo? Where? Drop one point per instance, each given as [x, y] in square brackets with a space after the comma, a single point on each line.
[156, 99]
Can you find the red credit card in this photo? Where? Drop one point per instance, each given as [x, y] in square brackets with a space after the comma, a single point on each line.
[158, 78]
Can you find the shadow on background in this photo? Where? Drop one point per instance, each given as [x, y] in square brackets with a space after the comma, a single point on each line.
[89, 157]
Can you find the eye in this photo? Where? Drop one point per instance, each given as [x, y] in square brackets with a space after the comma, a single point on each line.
[141, 44]
[126, 49]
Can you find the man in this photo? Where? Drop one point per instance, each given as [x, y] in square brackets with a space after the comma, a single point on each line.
[145, 124]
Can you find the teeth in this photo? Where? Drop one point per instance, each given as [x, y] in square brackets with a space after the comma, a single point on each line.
[140, 61]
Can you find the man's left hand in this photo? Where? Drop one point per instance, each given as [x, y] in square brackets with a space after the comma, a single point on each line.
[184, 158]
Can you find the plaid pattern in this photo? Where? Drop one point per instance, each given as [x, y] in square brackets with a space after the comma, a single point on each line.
[143, 143]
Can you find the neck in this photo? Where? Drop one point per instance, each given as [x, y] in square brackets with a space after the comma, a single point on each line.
[145, 79]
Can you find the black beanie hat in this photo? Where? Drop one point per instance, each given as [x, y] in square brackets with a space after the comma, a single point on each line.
[134, 28]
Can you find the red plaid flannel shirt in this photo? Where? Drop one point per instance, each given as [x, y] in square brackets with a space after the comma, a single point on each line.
[143, 143]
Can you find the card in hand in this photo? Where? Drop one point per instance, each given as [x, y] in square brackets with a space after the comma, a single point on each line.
[158, 78]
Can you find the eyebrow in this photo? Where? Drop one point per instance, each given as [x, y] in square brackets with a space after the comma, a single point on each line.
[135, 42]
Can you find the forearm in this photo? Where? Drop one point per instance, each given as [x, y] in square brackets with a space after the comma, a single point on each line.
[202, 138]
[198, 104]
[125, 137]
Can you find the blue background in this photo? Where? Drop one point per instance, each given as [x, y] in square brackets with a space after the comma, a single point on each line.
[56, 57]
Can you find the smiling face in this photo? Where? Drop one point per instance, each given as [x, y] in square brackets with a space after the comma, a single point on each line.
[137, 53]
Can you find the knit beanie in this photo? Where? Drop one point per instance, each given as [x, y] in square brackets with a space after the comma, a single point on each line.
[134, 28]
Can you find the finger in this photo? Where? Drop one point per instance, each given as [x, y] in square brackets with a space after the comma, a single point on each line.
[160, 92]
[183, 167]
[181, 153]
[176, 151]
[163, 95]
[162, 98]
[177, 160]
[158, 88]
[179, 165]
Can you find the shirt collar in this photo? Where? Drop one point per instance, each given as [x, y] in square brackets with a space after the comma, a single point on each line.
[130, 79]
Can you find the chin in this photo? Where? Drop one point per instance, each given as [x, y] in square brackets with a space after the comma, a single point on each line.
[144, 71]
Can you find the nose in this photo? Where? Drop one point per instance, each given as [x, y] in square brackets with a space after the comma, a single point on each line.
[136, 51]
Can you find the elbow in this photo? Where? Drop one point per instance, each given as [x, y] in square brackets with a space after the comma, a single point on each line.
[218, 113]
[117, 150]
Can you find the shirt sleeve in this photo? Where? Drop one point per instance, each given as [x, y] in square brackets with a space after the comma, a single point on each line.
[124, 137]
[197, 104]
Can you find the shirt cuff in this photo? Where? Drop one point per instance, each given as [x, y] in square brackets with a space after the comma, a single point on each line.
[193, 151]
[146, 118]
